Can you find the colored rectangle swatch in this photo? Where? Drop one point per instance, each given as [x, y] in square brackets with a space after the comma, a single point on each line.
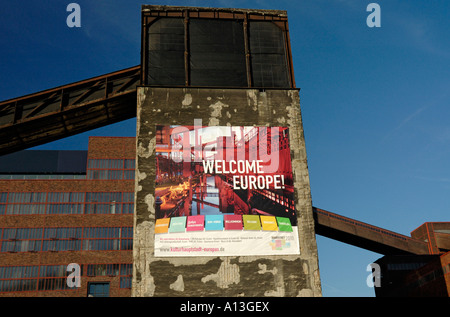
[233, 222]
[214, 222]
[162, 225]
[178, 224]
[269, 223]
[284, 224]
[195, 223]
[251, 222]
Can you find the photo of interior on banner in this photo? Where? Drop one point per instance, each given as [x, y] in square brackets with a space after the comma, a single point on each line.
[224, 179]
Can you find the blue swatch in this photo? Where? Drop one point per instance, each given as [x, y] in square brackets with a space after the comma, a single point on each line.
[213, 222]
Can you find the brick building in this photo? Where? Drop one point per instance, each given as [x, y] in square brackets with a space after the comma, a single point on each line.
[419, 275]
[62, 207]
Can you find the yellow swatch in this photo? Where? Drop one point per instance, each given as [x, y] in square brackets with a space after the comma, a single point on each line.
[269, 223]
[162, 225]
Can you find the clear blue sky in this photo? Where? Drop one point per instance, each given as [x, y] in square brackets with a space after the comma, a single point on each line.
[375, 101]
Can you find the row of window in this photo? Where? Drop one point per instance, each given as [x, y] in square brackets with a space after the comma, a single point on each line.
[66, 233]
[26, 203]
[404, 266]
[42, 176]
[111, 163]
[96, 169]
[110, 174]
[67, 245]
[110, 269]
[34, 209]
[66, 239]
[69, 197]
[54, 277]
[112, 169]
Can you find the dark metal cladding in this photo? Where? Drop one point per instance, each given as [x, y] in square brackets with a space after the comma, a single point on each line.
[215, 47]
[44, 162]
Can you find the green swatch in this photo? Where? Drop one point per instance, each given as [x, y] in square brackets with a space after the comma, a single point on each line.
[284, 224]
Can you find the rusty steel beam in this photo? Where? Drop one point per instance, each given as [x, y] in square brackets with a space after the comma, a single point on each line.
[63, 111]
[365, 236]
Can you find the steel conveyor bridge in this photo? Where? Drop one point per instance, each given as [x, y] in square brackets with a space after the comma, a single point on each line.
[60, 112]
[366, 236]
[63, 111]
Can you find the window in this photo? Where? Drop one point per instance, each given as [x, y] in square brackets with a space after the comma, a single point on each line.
[27, 197]
[126, 271]
[103, 202]
[18, 278]
[128, 174]
[98, 289]
[111, 169]
[65, 203]
[123, 270]
[26, 203]
[3, 199]
[62, 239]
[404, 266]
[54, 277]
[102, 238]
[21, 239]
[129, 164]
[18, 203]
[42, 176]
[66, 239]
[127, 238]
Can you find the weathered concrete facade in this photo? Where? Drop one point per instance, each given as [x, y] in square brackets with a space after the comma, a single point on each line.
[286, 276]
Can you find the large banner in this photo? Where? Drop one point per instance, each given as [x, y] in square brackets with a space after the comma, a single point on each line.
[224, 191]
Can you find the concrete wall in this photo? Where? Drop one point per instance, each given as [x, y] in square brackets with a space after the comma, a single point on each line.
[221, 276]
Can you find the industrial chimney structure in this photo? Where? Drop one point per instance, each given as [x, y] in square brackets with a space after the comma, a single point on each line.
[223, 200]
